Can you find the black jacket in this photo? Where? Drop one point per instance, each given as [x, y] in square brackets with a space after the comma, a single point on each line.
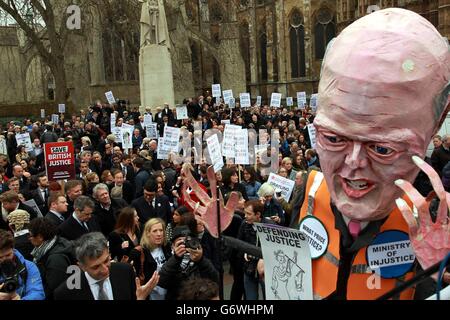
[140, 179]
[40, 201]
[33, 215]
[107, 218]
[122, 281]
[150, 265]
[172, 276]
[72, 230]
[53, 265]
[115, 244]
[50, 216]
[439, 159]
[127, 191]
[161, 210]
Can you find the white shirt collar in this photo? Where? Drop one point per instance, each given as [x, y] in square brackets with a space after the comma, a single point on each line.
[59, 215]
[74, 215]
[93, 285]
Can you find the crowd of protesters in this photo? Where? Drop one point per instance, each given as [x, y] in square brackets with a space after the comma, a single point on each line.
[134, 200]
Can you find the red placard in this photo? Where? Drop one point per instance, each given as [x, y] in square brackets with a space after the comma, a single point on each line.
[59, 161]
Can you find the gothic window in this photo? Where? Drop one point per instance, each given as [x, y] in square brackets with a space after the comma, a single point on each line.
[121, 59]
[192, 11]
[244, 38]
[297, 42]
[263, 56]
[50, 87]
[217, 13]
[324, 31]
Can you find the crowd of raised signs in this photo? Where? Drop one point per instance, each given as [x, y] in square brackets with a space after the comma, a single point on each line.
[136, 199]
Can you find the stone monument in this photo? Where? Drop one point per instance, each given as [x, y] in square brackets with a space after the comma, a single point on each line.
[155, 62]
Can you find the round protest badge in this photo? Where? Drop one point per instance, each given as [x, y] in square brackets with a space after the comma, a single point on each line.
[317, 236]
[390, 254]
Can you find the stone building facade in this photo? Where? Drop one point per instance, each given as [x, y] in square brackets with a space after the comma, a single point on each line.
[256, 46]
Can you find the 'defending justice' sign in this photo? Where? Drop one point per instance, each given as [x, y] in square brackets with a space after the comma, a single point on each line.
[59, 161]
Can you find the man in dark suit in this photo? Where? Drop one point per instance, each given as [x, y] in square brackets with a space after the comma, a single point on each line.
[127, 187]
[73, 189]
[151, 206]
[127, 169]
[106, 209]
[58, 208]
[24, 182]
[81, 221]
[171, 174]
[9, 202]
[101, 279]
[40, 195]
[141, 178]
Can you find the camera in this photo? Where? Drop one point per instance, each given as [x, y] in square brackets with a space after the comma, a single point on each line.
[192, 243]
[8, 269]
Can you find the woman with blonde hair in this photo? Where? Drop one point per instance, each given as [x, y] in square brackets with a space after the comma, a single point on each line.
[153, 252]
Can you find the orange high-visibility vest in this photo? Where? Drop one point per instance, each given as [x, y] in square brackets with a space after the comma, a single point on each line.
[325, 269]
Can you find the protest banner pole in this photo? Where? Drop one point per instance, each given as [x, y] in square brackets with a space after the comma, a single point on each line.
[420, 276]
[239, 171]
[219, 245]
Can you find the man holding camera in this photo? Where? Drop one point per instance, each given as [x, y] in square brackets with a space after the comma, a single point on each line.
[187, 262]
[19, 278]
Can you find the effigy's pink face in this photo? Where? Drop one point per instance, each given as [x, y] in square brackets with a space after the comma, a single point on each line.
[361, 157]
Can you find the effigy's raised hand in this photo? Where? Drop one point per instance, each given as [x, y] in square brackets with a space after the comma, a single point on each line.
[430, 241]
[206, 211]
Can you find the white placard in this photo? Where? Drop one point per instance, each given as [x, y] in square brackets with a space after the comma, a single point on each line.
[289, 101]
[61, 108]
[214, 152]
[285, 185]
[301, 100]
[241, 147]
[151, 131]
[314, 102]
[113, 120]
[287, 263]
[127, 137]
[226, 121]
[126, 125]
[276, 100]
[55, 118]
[232, 103]
[171, 139]
[32, 203]
[228, 142]
[162, 152]
[109, 95]
[147, 119]
[117, 131]
[43, 113]
[24, 139]
[216, 91]
[245, 100]
[312, 135]
[227, 95]
[3, 146]
[258, 101]
[182, 112]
